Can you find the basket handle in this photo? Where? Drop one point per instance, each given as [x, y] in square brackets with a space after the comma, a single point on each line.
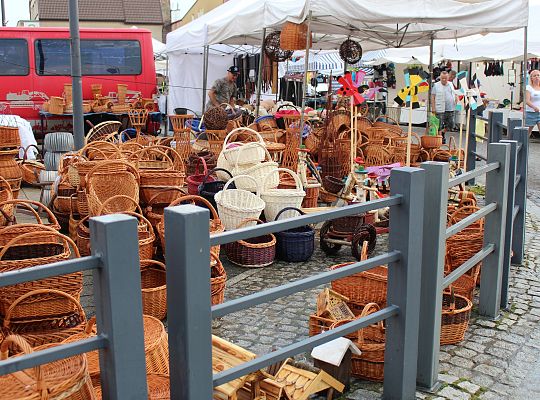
[67, 240]
[205, 168]
[245, 221]
[369, 308]
[118, 196]
[155, 149]
[129, 167]
[25, 154]
[193, 199]
[93, 146]
[144, 219]
[243, 129]
[27, 204]
[388, 118]
[294, 175]
[7, 318]
[148, 264]
[268, 156]
[243, 177]
[19, 341]
[287, 209]
[214, 170]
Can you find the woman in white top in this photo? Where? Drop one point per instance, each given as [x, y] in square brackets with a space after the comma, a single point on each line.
[532, 108]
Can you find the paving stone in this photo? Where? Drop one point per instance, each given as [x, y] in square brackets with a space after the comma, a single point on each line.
[489, 370]
[448, 378]
[461, 362]
[482, 380]
[454, 394]
[486, 323]
[498, 352]
[469, 387]
[466, 353]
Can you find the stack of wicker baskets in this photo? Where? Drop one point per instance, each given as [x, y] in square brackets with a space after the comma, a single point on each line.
[9, 149]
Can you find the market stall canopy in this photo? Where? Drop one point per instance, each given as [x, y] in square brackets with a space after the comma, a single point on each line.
[410, 55]
[375, 23]
[479, 50]
[324, 62]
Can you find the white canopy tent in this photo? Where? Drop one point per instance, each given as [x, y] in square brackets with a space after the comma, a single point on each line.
[377, 24]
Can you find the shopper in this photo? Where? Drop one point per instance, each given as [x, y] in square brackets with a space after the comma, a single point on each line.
[224, 90]
[444, 100]
[532, 108]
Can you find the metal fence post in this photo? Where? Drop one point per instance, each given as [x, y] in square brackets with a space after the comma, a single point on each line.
[433, 251]
[471, 138]
[406, 223]
[117, 295]
[188, 302]
[509, 221]
[513, 123]
[495, 126]
[521, 135]
[494, 231]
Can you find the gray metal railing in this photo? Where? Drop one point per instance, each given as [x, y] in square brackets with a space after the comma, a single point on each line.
[117, 296]
[434, 248]
[188, 291]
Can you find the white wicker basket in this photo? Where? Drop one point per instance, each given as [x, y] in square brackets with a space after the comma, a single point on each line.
[258, 172]
[277, 199]
[235, 205]
[251, 152]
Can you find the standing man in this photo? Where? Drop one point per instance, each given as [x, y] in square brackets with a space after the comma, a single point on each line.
[224, 90]
[444, 99]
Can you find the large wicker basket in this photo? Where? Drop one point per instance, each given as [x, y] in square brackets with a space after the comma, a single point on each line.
[294, 36]
[236, 205]
[364, 287]
[154, 288]
[456, 314]
[63, 379]
[277, 199]
[243, 153]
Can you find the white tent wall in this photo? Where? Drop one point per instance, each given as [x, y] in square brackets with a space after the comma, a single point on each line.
[186, 78]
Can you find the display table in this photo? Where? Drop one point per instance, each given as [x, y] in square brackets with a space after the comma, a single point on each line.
[419, 116]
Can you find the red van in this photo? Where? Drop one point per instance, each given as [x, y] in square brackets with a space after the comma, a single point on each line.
[35, 63]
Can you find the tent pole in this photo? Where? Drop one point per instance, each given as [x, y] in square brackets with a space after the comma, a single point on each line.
[259, 77]
[306, 66]
[76, 75]
[524, 72]
[205, 77]
[431, 78]
[166, 90]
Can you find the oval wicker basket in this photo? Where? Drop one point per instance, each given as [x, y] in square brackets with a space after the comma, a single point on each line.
[236, 205]
[257, 171]
[431, 142]
[456, 314]
[363, 287]
[254, 252]
[251, 152]
[278, 199]
[63, 379]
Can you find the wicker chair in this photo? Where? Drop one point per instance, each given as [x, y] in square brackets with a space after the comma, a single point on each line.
[102, 130]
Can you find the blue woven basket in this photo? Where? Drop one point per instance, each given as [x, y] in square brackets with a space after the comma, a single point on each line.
[297, 244]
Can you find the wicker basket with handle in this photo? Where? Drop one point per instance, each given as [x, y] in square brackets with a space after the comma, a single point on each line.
[277, 199]
[154, 289]
[102, 185]
[218, 279]
[236, 205]
[260, 172]
[297, 244]
[456, 314]
[216, 225]
[251, 152]
[253, 252]
[30, 169]
[59, 316]
[63, 379]
[45, 248]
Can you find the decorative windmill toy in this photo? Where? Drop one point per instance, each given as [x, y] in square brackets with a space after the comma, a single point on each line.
[416, 81]
[467, 100]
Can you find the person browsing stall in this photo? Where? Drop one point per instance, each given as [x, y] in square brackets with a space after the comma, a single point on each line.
[444, 100]
[224, 90]
[532, 99]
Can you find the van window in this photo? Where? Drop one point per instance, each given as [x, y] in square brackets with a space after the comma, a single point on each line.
[98, 57]
[14, 57]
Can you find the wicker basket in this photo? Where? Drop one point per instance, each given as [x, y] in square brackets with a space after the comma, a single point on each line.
[209, 187]
[30, 206]
[259, 172]
[216, 225]
[59, 316]
[456, 314]
[278, 199]
[156, 204]
[56, 105]
[63, 379]
[40, 247]
[30, 169]
[297, 244]
[294, 36]
[254, 252]
[154, 289]
[102, 185]
[371, 342]
[218, 280]
[363, 287]
[431, 142]
[6, 211]
[244, 153]
[216, 118]
[9, 137]
[236, 205]
[193, 181]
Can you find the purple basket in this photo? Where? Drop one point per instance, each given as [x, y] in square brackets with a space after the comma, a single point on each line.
[297, 244]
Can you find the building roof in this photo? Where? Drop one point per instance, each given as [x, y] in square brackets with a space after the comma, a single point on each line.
[126, 11]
